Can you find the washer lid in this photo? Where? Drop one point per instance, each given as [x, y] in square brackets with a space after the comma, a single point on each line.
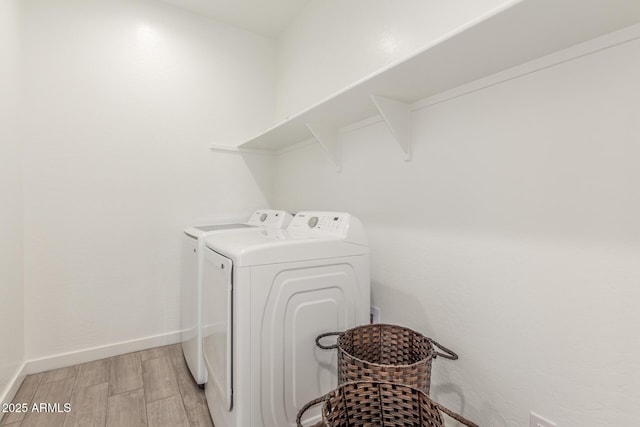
[196, 231]
[301, 241]
[260, 218]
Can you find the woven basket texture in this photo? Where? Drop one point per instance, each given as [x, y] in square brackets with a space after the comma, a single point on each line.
[360, 404]
[387, 353]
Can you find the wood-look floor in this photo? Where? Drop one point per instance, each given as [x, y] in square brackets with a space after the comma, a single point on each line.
[150, 388]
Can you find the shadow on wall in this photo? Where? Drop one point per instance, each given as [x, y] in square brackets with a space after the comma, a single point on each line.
[445, 391]
[261, 167]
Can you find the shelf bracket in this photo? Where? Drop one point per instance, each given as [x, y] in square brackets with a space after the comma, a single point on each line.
[329, 140]
[396, 114]
[239, 149]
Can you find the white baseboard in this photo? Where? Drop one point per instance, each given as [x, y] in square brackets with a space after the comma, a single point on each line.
[96, 353]
[12, 388]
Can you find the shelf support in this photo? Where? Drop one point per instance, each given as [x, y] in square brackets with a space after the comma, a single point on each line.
[396, 115]
[329, 140]
[239, 149]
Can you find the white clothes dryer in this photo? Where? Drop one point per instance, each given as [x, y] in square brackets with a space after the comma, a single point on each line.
[267, 294]
[191, 280]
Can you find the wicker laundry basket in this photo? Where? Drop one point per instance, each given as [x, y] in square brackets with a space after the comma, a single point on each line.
[387, 353]
[356, 404]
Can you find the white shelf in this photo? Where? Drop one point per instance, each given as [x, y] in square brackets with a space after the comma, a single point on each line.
[518, 32]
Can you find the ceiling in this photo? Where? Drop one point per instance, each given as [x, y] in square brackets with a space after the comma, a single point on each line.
[266, 17]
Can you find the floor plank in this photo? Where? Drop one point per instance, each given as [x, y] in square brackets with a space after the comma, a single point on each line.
[93, 373]
[88, 407]
[154, 353]
[175, 352]
[195, 403]
[24, 395]
[59, 374]
[115, 391]
[167, 412]
[159, 379]
[126, 374]
[52, 392]
[127, 409]
[192, 395]
[199, 416]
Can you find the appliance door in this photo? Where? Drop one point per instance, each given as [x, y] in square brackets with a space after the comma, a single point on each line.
[190, 302]
[294, 303]
[217, 327]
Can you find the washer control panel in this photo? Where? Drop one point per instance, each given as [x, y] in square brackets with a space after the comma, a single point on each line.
[270, 218]
[336, 223]
[313, 221]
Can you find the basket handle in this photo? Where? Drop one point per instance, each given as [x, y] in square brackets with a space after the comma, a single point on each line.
[328, 334]
[457, 417]
[306, 407]
[448, 354]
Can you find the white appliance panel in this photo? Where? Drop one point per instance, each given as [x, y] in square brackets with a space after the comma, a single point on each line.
[306, 309]
[303, 304]
[292, 304]
[217, 325]
[281, 301]
[191, 344]
[191, 284]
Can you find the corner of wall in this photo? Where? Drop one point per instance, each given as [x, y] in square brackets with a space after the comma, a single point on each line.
[11, 215]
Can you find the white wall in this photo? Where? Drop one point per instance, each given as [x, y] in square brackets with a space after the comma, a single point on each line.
[124, 99]
[334, 43]
[512, 237]
[11, 271]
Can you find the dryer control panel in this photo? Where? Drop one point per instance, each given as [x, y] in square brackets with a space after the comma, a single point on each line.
[270, 218]
[335, 224]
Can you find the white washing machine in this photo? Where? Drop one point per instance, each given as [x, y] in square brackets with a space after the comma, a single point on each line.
[267, 294]
[191, 304]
